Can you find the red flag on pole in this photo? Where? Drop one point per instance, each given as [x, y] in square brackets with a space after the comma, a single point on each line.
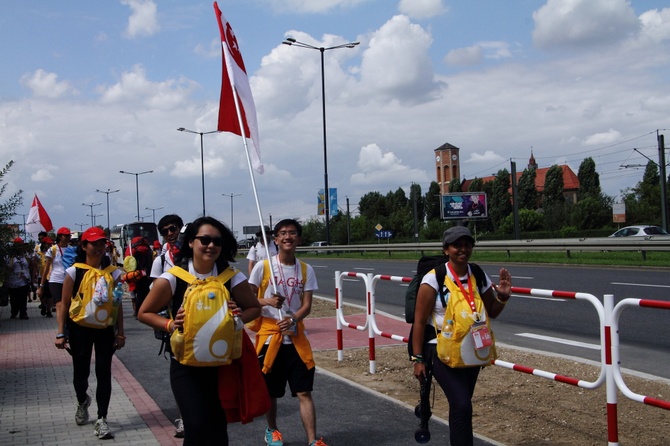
[38, 219]
[238, 108]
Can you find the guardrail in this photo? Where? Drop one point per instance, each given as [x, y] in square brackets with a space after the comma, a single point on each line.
[643, 244]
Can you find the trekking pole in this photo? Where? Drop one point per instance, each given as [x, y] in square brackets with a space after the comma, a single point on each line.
[422, 410]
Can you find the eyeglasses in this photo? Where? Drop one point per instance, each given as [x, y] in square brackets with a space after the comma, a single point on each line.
[169, 229]
[207, 239]
[285, 233]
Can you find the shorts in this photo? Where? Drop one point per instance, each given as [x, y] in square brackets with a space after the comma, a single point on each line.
[287, 368]
[56, 290]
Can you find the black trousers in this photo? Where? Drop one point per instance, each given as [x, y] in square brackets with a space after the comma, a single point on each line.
[18, 300]
[82, 341]
[196, 391]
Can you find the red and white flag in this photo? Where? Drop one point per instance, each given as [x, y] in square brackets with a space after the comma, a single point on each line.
[38, 219]
[235, 81]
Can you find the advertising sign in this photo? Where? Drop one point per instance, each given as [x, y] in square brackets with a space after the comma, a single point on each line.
[463, 205]
[320, 210]
[619, 213]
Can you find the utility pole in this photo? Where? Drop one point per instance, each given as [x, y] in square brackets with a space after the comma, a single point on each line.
[515, 201]
[663, 180]
[348, 224]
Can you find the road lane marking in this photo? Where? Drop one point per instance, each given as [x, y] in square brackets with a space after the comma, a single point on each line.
[640, 284]
[560, 340]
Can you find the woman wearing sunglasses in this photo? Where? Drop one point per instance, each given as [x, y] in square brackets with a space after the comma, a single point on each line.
[207, 249]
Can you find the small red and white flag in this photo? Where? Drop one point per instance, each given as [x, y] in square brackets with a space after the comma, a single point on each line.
[235, 82]
[38, 219]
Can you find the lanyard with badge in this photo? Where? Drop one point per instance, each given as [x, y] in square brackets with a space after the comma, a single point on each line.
[481, 335]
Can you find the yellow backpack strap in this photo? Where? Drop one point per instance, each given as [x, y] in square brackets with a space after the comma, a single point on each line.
[226, 275]
[182, 274]
[82, 265]
[303, 268]
[266, 278]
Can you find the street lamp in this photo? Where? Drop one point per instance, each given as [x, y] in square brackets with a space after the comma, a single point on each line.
[326, 192]
[81, 226]
[91, 206]
[108, 191]
[137, 187]
[202, 161]
[231, 195]
[153, 213]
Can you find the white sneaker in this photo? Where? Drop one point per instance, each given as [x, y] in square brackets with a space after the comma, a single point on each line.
[102, 430]
[81, 416]
[179, 430]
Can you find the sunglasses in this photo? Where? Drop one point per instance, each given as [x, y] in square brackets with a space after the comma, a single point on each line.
[207, 239]
[169, 229]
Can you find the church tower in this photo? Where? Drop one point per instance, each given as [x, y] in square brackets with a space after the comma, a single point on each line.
[447, 165]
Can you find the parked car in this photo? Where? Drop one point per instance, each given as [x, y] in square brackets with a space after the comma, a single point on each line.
[319, 244]
[639, 231]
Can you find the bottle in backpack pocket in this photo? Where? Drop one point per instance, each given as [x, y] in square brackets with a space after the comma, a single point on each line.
[444, 341]
[237, 335]
[177, 344]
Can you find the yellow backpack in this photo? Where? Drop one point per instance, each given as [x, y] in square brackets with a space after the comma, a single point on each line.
[455, 345]
[255, 325]
[208, 338]
[92, 304]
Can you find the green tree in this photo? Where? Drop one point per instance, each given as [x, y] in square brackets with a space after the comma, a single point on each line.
[553, 200]
[455, 185]
[593, 209]
[476, 185]
[589, 180]
[527, 194]
[500, 203]
[7, 212]
[432, 200]
[643, 202]
[372, 204]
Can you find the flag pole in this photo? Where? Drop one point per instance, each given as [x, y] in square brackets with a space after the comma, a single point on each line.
[256, 199]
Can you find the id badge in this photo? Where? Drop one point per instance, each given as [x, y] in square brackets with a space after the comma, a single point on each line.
[481, 335]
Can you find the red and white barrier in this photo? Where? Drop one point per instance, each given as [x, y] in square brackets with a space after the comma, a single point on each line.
[608, 315]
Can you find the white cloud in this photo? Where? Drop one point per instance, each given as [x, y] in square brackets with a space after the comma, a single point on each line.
[46, 85]
[396, 64]
[143, 21]
[42, 175]
[381, 170]
[468, 56]
[656, 24]
[600, 139]
[583, 23]
[422, 9]
[135, 88]
[312, 6]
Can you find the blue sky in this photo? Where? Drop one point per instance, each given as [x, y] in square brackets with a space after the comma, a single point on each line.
[91, 88]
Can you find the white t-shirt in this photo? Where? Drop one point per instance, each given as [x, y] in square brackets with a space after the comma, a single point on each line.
[72, 272]
[172, 279]
[438, 309]
[57, 269]
[257, 253]
[162, 263]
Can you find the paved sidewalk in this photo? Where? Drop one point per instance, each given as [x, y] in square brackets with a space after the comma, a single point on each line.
[37, 399]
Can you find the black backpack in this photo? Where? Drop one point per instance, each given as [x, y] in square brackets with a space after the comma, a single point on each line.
[425, 265]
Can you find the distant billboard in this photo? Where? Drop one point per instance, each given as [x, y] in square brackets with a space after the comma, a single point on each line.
[463, 205]
[332, 204]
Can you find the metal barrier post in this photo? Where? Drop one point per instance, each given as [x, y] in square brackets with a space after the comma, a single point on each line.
[610, 384]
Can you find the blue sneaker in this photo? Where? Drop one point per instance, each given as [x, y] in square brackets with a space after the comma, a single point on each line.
[273, 437]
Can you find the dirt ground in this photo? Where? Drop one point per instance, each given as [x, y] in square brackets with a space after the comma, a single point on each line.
[516, 408]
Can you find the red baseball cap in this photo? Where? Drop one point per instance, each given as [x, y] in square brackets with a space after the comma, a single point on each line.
[63, 231]
[47, 239]
[18, 240]
[93, 234]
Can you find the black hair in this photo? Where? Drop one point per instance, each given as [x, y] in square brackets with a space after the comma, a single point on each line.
[80, 257]
[288, 222]
[228, 250]
[42, 234]
[170, 218]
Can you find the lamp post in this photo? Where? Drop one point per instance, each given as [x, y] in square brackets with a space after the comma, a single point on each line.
[153, 213]
[231, 195]
[137, 186]
[202, 160]
[326, 192]
[91, 206]
[107, 192]
[81, 226]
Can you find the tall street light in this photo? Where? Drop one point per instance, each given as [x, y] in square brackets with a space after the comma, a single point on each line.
[92, 215]
[326, 192]
[137, 187]
[108, 191]
[153, 213]
[231, 195]
[202, 161]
